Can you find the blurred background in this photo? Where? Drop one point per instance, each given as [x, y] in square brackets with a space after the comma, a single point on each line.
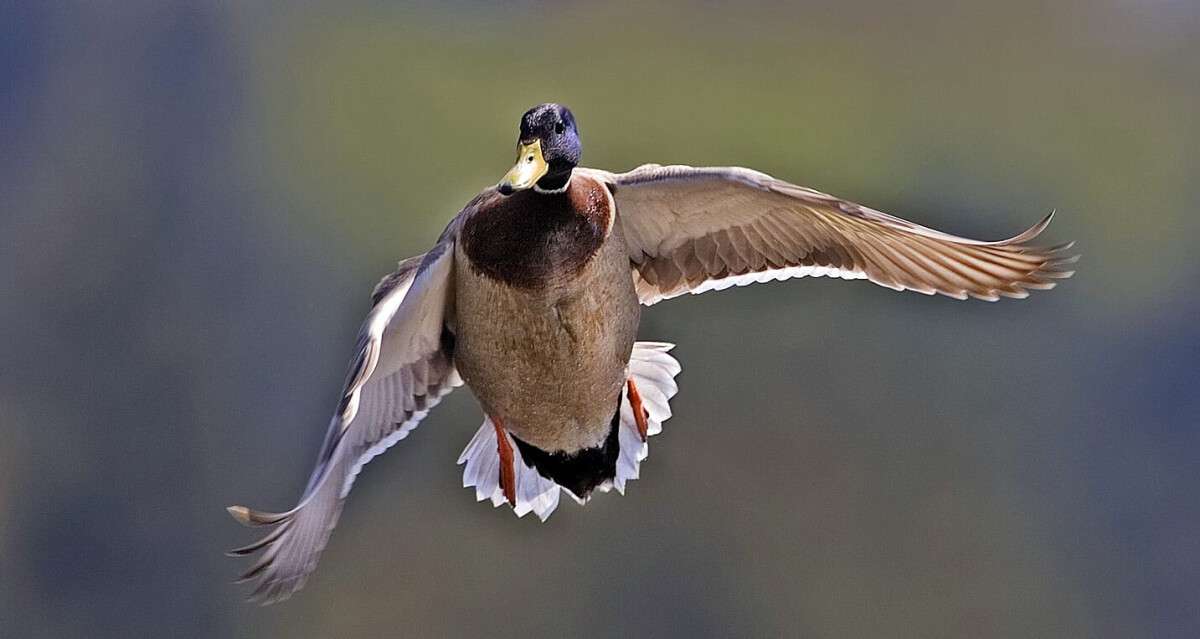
[197, 198]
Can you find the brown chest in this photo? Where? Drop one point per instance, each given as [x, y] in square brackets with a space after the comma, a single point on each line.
[532, 240]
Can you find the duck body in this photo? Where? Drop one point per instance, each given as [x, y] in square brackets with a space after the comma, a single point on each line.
[546, 313]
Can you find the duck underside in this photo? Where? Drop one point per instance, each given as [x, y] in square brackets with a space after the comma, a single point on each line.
[531, 479]
[580, 472]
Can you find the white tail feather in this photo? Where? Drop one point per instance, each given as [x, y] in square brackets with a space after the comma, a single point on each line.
[653, 372]
[534, 493]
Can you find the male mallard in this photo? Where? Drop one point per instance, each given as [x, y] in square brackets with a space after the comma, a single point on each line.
[532, 297]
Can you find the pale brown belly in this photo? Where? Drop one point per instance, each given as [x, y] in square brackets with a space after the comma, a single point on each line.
[549, 361]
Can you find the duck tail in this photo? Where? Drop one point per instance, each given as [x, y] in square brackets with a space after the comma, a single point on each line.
[540, 477]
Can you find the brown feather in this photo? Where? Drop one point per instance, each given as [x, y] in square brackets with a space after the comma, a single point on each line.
[529, 238]
[734, 222]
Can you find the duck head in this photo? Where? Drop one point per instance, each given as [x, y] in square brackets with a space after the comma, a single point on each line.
[548, 150]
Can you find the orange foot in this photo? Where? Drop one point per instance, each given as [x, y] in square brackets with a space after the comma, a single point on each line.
[639, 412]
[508, 471]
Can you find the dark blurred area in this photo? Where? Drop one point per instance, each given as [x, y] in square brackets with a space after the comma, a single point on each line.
[196, 199]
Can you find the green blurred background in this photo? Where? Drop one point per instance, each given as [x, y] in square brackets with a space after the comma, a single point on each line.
[196, 199]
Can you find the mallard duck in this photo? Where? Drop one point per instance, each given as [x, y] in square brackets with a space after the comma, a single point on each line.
[532, 297]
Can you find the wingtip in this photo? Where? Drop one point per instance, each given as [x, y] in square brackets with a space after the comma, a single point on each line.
[241, 514]
[268, 593]
[261, 543]
[1031, 232]
[249, 517]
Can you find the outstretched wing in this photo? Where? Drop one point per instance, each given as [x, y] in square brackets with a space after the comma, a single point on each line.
[402, 366]
[691, 230]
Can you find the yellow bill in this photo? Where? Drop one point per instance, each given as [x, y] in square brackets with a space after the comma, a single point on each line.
[530, 168]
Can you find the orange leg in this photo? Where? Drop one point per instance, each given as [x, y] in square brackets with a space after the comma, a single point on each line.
[508, 469]
[639, 412]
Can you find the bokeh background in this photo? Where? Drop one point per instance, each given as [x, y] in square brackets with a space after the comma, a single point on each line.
[196, 199]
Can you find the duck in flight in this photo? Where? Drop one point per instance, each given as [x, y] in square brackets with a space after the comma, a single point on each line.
[532, 297]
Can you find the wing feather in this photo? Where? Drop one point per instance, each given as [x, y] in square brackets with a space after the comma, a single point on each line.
[691, 230]
[399, 371]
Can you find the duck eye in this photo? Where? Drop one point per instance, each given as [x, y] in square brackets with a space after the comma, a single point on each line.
[558, 127]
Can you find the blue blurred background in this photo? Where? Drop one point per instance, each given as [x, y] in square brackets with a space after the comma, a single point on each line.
[196, 199]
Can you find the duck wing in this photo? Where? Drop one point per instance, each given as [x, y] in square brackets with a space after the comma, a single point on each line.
[402, 366]
[696, 229]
